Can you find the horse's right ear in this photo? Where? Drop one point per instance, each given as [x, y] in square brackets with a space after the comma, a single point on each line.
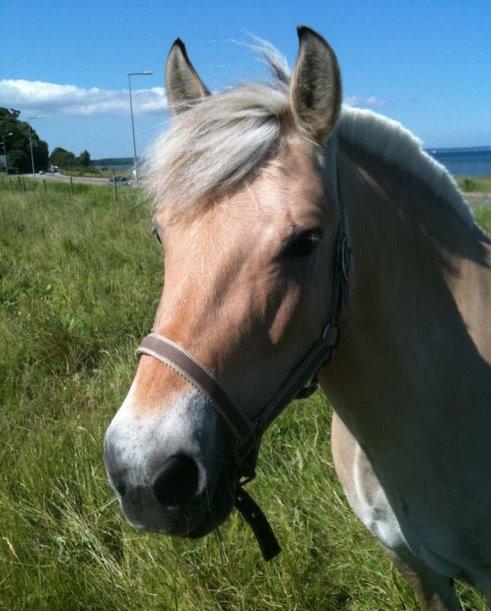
[315, 90]
[183, 86]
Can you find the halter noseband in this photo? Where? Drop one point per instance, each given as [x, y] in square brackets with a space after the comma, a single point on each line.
[301, 383]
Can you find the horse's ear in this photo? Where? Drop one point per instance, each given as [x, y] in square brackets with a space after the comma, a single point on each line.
[183, 86]
[315, 91]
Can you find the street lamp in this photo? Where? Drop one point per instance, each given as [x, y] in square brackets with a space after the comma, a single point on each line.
[30, 143]
[5, 151]
[142, 73]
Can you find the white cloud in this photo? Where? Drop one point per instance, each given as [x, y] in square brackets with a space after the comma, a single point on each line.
[54, 99]
[356, 100]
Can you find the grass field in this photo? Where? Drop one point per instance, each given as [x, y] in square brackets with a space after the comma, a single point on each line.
[79, 282]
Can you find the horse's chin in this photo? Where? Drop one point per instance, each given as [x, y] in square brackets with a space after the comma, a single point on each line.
[192, 527]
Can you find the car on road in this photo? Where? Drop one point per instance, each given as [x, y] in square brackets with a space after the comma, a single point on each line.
[120, 180]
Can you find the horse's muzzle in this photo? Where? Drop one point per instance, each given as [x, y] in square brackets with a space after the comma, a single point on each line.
[165, 486]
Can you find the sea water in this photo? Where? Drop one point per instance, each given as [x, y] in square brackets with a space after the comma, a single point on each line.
[464, 161]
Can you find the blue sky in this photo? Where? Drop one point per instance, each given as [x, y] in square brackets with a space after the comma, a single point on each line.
[426, 64]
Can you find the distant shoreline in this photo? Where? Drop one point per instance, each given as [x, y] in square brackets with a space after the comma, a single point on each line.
[457, 149]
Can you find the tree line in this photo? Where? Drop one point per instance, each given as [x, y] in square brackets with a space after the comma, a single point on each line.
[14, 141]
[65, 159]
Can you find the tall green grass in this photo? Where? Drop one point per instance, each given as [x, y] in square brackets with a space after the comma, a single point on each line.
[80, 278]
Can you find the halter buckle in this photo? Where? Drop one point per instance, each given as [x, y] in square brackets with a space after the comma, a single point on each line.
[309, 389]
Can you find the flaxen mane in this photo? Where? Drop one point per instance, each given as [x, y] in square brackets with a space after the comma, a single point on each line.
[225, 138]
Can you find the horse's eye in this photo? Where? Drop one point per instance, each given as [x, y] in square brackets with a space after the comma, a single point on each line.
[302, 245]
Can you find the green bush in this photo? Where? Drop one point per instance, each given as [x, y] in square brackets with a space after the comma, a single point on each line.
[469, 185]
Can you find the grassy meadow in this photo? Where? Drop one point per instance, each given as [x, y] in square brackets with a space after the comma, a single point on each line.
[80, 278]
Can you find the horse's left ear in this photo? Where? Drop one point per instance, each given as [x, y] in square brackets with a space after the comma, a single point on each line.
[315, 91]
[182, 83]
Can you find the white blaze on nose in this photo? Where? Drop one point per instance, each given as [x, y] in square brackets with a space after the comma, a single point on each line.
[137, 439]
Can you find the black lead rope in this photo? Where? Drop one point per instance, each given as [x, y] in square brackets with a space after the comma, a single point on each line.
[254, 516]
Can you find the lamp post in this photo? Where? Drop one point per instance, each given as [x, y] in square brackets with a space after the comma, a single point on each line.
[5, 151]
[30, 143]
[142, 73]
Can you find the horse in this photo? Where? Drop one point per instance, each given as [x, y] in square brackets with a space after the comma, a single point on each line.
[253, 188]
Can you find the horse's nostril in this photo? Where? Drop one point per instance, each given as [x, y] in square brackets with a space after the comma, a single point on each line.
[177, 482]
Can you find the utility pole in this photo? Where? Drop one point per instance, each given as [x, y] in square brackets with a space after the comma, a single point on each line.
[143, 73]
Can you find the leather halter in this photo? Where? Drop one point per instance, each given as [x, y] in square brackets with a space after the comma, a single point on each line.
[300, 383]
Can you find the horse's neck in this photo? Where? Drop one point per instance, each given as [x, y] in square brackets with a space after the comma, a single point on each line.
[410, 379]
[404, 344]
